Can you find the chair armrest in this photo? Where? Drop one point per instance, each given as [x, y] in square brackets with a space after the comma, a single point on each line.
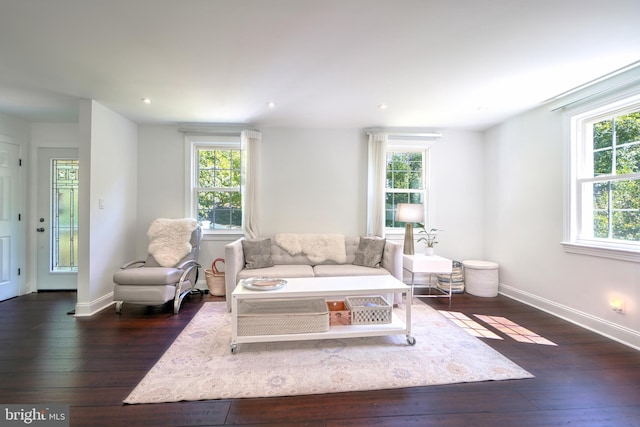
[233, 264]
[133, 264]
[179, 291]
[187, 263]
[188, 267]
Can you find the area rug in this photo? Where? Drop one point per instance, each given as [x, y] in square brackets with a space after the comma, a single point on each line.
[199, 364]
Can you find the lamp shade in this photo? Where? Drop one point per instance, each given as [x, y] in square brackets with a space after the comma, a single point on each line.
[410, 212]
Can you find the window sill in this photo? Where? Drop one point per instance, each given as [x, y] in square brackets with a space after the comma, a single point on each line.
[602, 251]
[222, 235]
[395, 231]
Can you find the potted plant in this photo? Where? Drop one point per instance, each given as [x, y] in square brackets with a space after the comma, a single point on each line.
[429, 239]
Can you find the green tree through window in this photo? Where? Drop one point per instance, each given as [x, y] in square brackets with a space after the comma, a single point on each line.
[616, 164]
[404, 182]
[218, 193]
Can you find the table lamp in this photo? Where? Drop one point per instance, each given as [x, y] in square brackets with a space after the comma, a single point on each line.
[409, 213]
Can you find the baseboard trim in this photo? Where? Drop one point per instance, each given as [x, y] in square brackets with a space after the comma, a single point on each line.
[595, 324]
[95, 306]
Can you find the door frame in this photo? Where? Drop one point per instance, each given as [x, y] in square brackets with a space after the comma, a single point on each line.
[59, 280]
[19, 265]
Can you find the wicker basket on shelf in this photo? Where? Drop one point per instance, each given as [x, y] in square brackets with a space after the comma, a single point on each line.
[282, 316]
[368, 310]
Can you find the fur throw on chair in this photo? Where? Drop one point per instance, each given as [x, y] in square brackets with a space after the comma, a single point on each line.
[170, 239]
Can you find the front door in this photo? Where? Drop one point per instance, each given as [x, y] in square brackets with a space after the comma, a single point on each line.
[9, 228]
[57, 222]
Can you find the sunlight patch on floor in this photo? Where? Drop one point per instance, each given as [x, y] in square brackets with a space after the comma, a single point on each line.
[471, 326]
[513, 330]
[502, 324]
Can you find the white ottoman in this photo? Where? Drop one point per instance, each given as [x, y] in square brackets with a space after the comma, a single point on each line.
[481, 278]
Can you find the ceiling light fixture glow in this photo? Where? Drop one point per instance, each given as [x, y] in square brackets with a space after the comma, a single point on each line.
[146, 100]
[271, 104]
[383, 106]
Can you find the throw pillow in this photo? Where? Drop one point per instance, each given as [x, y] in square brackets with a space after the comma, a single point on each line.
[369, 253]
[257, 253]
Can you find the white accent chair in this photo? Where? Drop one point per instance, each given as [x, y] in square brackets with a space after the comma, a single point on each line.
[146, 282]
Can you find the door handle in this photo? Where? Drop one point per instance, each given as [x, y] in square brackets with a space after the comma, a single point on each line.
[40, 230]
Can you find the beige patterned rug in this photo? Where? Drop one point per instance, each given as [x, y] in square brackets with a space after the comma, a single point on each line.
[200, 366]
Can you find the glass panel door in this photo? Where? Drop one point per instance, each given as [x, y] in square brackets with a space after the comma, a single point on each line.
[64, 215]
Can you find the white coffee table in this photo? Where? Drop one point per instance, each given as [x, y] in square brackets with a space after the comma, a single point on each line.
[330, 288]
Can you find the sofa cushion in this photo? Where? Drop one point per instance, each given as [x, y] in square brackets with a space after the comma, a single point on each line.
[351, 244]
[369, 252]
[277, 271]
[327, 270]
[257, 253]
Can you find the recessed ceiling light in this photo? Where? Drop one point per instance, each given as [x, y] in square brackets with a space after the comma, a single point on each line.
[146, 100]
[382, 106]
[271, 104]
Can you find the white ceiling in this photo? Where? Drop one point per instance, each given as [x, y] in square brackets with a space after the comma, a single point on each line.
[326, 63]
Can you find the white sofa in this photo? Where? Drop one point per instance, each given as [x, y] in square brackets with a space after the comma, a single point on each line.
[286, 265]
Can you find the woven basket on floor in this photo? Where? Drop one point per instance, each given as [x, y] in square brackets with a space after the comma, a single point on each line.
[215, 279]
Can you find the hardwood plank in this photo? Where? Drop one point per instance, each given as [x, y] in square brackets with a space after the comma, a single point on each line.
[176, 414]
[617, 417]
[32, 380]
[383, 404]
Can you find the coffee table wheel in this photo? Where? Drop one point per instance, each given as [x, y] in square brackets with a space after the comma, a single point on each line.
[234, 348]
[411, 340]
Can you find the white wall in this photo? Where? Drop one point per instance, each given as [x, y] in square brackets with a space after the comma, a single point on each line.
[108, 171]
[14, 128]
[458, 191]
[315, 181]
[54, 135]
[161, 178]
[524, 227]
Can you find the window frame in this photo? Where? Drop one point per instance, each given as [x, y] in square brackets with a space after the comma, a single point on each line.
[413, 146]
[193, 143]
[580, 161]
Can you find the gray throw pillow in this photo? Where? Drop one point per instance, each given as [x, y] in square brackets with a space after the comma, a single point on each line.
[257, 253]
[369, 253]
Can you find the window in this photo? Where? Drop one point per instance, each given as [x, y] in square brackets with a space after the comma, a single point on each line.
[216, 177]
[405, 180]
[64, 215]
[605, 183]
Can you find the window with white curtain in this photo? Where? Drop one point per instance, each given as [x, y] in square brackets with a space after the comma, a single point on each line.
[214, 181]
[605, 180]
[406, 180]
[398, 172]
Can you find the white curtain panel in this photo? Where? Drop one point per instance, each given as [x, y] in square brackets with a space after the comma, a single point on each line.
[376, 183]
[250, 143]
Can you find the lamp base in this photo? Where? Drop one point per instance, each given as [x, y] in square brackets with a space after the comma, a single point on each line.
[408, 239]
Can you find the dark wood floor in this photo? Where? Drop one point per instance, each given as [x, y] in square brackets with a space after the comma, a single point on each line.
[47, 356]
